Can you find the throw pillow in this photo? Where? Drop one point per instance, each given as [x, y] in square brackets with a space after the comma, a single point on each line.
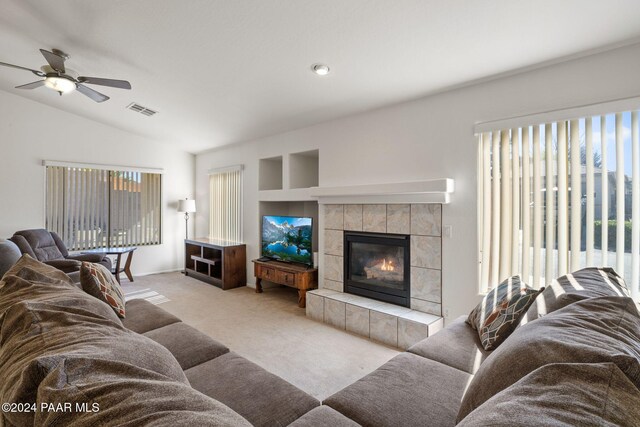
[98, 281]
[505, 318]
[499, 312]
[594, 330]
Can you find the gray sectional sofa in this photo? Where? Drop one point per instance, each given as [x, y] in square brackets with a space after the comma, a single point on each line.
[574, 360]
[59, 344]
[579, 364]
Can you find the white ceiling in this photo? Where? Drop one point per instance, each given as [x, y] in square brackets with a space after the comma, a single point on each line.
[226, 71]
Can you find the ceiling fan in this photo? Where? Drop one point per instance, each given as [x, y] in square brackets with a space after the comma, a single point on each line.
[64, 80]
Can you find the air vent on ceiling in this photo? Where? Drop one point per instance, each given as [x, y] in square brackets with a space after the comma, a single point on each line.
[142, 110]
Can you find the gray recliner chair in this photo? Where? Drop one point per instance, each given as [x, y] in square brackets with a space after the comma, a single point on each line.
[48, 247]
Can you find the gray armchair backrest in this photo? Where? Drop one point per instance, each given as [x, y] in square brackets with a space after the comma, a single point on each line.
[9, 255]
[39, 243]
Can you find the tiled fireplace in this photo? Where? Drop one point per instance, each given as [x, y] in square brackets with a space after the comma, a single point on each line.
[398, 321]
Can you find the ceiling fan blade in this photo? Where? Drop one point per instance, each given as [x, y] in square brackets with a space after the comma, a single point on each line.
[120, 84]
[36, 72]
[31, 85]
[96, 96]
[56, 61]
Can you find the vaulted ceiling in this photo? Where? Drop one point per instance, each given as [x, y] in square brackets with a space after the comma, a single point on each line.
[226, 71]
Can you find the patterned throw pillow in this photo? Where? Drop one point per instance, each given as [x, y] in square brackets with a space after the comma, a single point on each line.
[499, 312]
[98, 281]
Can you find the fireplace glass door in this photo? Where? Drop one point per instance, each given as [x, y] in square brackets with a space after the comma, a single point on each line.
[377, 266]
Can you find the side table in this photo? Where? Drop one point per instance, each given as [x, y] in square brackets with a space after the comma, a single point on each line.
[295, 276]
[118, 252]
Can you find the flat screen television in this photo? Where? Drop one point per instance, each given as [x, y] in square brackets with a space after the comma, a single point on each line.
[287, 238]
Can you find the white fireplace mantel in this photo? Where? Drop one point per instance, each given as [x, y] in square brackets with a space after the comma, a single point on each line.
[428, 191]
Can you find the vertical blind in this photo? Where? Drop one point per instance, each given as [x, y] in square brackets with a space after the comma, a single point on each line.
[225, 191]
[557, 197]
[92, 208]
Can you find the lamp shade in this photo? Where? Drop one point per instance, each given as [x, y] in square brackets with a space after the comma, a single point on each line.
[186, 205]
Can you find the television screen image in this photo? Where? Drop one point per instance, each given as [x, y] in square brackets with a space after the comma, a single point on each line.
[287, 238]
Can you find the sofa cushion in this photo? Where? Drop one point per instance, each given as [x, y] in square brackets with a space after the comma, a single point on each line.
[563, 394]
[595, 330]
[457, 345]
[261, 397]
[143, 316]
[41, 333]
[582, 284]
[124, 394]
[96, 280]
[409, 390]
[323, 416]
[499, 312]
[188, 345]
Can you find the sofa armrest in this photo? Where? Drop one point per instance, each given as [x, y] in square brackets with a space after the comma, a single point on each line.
[66, 265]
[87, 257]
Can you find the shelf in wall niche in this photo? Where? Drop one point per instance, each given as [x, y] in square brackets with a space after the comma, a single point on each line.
[292, 195]
[428, 191]
[270, 173]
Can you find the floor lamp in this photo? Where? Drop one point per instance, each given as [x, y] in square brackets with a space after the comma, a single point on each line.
[187, 206]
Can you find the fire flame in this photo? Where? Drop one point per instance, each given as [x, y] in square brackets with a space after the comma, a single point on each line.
[387, 266]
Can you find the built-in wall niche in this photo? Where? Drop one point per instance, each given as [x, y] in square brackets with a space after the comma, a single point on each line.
[301, 208]
[270, 173]
[303, 169]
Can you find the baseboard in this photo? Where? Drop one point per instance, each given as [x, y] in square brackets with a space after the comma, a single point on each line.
[158, 272]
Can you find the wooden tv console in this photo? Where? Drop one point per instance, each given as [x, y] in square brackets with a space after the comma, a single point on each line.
[293, 275]
[218, 262]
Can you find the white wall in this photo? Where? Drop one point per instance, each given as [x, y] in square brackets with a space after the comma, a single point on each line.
[429, 138]
[31, 132]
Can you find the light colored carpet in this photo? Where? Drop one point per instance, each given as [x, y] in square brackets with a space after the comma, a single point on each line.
[270, 330]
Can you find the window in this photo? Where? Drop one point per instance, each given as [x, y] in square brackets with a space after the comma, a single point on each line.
[557, 197]
[225, 198]
[91, 207]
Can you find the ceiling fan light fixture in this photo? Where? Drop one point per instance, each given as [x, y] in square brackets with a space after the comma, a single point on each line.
[320, 69]
[60, 84]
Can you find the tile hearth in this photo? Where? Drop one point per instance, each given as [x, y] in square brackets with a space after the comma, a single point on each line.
[383, 322]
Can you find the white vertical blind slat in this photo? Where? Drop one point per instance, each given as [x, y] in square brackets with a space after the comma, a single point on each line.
[495, 208]
[549, 205]
[537, 209]
[604, 177]
[590, 208]
[526, 202]
[486, 211]
[576, 196]
[635, 207]
[619, 196]
[563, 247]
[506, 207]
[515, 202]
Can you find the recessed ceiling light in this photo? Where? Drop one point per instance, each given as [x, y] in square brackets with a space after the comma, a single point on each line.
[320, 69]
